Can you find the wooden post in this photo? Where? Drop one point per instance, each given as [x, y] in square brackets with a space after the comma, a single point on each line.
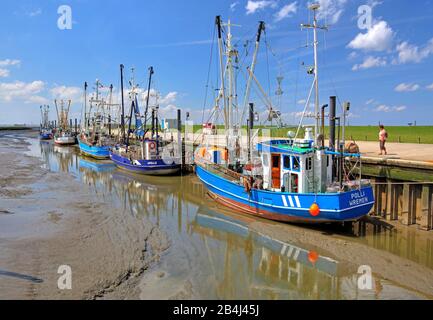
[389, 201]
[426, 212]
[405, 205]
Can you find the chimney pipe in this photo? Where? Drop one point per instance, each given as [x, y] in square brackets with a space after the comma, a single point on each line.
[332, 111]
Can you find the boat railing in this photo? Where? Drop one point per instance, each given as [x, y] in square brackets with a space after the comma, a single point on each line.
[220, 170]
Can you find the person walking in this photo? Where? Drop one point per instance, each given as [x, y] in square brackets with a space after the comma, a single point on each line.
[383, 136]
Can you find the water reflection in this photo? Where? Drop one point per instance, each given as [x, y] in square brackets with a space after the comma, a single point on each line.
[223, 254]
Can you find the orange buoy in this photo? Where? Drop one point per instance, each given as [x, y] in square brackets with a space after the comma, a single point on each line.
[313, 256]
[314, 210]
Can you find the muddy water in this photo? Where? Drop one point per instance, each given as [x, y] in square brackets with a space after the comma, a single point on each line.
[215, 253]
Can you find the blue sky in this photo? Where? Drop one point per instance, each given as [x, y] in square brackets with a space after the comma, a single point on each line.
[386, 71]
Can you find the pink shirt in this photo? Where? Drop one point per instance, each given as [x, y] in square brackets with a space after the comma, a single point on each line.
[382, 135]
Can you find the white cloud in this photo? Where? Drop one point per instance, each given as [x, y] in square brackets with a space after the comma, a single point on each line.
[4, 73]
[369, 102]
[169, 98]
[406, 87]
[352, 55]
[410, 53]
[37, 100]
[331, 10]
[66, 93]
[370, 62]
[400, 108]
[429, 87]
[234, 5]
[378, 38]
[9, 62]
[286, 11]
[19, 90]
[35, 13]
[385, 108]
[254, 6]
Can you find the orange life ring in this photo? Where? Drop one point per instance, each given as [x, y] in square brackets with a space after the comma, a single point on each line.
[152, 145]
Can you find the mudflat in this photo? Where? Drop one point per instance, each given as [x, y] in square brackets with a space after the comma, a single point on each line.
[48, 220]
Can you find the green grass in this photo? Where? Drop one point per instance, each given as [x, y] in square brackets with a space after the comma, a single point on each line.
[402, 134]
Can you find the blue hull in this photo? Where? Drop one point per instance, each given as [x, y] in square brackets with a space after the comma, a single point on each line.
[97, 152]
[96, 166]
[290, 207]
[148, 167]
[45, 136]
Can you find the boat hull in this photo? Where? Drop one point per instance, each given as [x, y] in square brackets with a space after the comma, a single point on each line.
[96, 152]
[46, 136]
[146, 167]
[288, 207]
[65, 141]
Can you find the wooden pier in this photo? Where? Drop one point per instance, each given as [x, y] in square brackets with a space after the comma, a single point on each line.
[408, 203]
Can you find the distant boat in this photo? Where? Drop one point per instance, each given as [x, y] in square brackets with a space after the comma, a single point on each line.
[45, 131]
[144, 156]
[95, 138]
[64, 135]
[291, 180]
[65, 139]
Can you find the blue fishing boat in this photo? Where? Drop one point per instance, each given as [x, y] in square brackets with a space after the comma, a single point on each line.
[292, 180]
[46, 135]
[142, 166]
[93, 150]
[95, 138]
[144, 155]
[45, 131]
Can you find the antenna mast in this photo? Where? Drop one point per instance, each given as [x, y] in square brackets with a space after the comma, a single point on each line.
[314, 8]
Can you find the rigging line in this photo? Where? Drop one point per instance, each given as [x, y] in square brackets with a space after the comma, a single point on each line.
[209, 71]
[267, 64]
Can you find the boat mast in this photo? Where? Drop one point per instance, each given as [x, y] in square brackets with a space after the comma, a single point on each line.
[122, 118]
[230, 54]
[110, 104]
[85, 107]
[148, 96]
[252, 68]
[316, 73]
[314, 8]
[220, 46]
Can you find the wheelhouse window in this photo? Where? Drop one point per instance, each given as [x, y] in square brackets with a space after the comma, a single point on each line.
[309, 163]
[275, 161]
[286, 162]
[296, 164]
